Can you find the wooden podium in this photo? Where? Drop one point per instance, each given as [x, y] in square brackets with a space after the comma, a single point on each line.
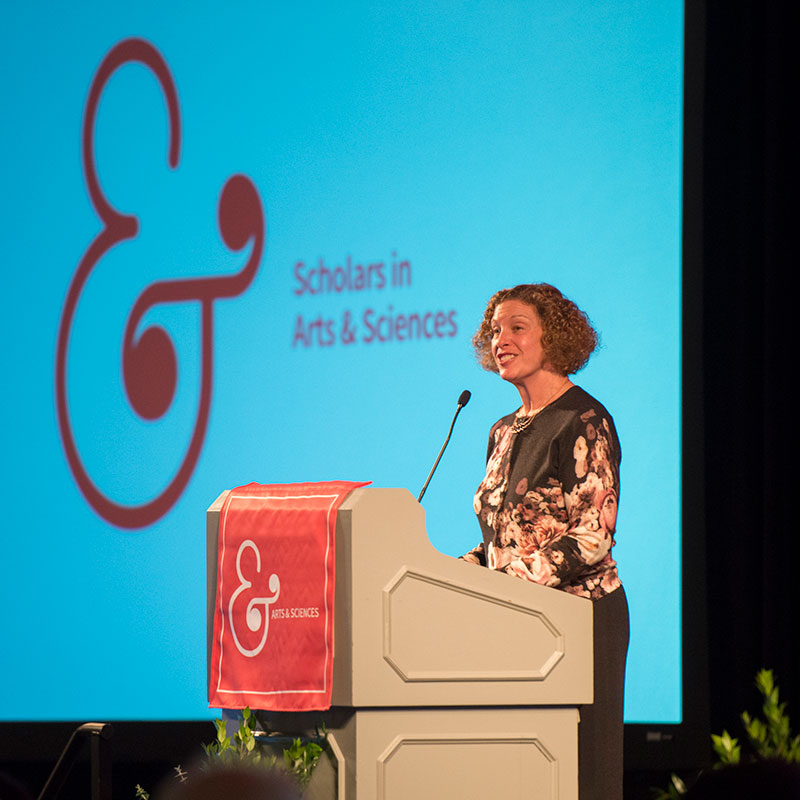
[450, 680]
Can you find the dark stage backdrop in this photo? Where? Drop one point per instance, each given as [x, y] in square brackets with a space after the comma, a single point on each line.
[749, 255]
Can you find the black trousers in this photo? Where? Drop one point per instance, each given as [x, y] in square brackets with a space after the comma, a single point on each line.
[600, 734]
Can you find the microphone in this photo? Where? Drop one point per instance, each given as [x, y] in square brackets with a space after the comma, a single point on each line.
[463, 399]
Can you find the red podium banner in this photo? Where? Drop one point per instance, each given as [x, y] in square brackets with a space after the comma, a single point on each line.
[273, 623]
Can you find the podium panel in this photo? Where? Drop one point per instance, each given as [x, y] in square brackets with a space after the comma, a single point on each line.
[422, 628]
[469, 754]
[449, 679]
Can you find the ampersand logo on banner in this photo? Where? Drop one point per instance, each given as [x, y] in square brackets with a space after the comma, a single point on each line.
[253, 615]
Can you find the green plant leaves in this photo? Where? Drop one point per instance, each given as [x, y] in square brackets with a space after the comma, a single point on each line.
[772, 736]
[728, 749]
[300, 759]
[767, 738]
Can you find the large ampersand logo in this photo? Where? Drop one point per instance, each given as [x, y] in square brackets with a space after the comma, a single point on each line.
[149, 363]
[256, 618]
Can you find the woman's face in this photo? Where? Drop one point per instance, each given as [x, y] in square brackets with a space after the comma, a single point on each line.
[517, 341]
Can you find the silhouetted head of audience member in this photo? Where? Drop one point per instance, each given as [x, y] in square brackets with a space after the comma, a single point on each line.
[773, 779]
[231, 782]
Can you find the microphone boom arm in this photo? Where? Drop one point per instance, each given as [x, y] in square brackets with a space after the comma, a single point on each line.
[462, 401]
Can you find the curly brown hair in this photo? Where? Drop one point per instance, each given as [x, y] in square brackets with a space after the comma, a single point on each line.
[568, 338]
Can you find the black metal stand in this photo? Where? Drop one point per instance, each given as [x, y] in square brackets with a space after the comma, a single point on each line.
[99, 735]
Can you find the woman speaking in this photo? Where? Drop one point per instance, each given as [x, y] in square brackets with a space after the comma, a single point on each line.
[547, 506]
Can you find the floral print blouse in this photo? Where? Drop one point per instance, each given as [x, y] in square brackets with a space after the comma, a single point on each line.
[548, 504]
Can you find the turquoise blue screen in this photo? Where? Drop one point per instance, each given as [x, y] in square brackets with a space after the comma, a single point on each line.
[400, 163]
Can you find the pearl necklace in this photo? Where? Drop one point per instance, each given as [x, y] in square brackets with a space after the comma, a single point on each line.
[522, 422]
